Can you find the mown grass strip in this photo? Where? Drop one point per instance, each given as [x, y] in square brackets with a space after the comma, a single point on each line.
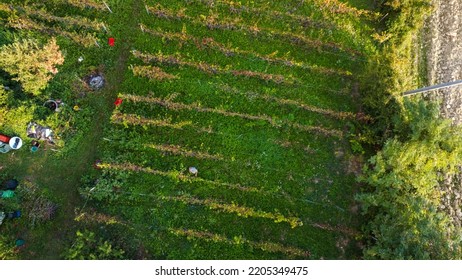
[175, 175]
[224, 164]
[296, 103]
[230, 162]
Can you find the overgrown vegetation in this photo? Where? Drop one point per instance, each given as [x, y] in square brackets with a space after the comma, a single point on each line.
[6, 249]
[34, 43]
[89, 247]
[219, 147]
[401, 196]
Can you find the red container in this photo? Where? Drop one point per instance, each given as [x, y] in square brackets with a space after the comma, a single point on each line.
[118, 101]
[4, 138]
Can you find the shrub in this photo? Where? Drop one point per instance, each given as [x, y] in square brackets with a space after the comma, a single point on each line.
[14, 120]
[88, 247]
[402, 195]
[404, 15]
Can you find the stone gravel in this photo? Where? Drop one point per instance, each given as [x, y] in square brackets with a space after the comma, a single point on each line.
[445, 56]
[444, 60]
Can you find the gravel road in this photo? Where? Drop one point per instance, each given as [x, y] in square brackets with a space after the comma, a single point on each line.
[444, 60]
[445, 55]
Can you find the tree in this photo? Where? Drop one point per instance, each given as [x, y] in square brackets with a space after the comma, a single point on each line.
[32, 64]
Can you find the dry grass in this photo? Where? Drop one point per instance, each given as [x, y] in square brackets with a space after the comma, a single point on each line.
[296, 103]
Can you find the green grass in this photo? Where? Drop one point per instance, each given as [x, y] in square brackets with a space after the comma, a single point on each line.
[254, 171]
[274, 177]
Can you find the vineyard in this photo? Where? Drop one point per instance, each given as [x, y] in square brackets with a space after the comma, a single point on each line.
[261, 102]
[236, 134]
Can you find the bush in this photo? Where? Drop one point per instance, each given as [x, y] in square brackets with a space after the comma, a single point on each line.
[88, 247]
[391, 71]
[404, 16]
[402, 195]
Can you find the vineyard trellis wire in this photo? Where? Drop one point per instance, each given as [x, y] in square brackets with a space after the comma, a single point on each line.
[213, 22]
[208, 42]
[211, 68]
[247, 164]
[277, 123]
[176, 175]
[292, 221]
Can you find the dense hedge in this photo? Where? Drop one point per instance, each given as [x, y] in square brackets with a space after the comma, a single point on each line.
[402, 196]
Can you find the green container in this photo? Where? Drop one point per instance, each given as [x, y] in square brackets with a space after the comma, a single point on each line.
[7, 194]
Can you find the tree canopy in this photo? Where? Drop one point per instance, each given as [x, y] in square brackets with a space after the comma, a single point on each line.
[31, 63]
